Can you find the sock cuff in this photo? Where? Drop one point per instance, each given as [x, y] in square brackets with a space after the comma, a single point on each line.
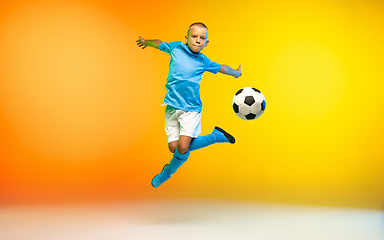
[180, 156]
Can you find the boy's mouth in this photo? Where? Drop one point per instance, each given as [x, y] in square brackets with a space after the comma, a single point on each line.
[194, 47]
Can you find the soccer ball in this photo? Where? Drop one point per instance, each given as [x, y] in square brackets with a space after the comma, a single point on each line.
[248, 103]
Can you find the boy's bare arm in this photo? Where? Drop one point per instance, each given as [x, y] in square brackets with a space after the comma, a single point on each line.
[225, 69]
[152, 43]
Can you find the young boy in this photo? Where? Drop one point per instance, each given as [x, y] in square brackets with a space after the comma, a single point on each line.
[183, 111]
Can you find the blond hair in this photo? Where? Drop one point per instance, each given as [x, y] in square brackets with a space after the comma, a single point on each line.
[199, 24]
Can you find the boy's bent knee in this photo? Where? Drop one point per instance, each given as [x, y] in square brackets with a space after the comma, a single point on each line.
[183, 149]
[183, 144]
[172, 146]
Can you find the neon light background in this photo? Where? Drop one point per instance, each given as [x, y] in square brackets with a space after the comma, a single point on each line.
[79, 102]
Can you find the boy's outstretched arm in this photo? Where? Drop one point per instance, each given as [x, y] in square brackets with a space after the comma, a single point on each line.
[152, 43]
[225, 69]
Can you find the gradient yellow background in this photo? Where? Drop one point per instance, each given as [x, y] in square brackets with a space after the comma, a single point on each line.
[80, 115]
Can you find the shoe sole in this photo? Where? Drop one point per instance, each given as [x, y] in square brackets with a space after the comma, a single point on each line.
[230, 138]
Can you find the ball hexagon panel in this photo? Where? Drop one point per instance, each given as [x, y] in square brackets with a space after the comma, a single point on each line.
[259, 97]
[244, 109]
[238, 99]
[248, 91]
[256, 108]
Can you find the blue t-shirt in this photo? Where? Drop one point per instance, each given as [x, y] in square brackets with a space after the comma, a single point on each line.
[186, 69]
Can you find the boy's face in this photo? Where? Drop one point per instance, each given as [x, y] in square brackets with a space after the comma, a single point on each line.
[197, 38]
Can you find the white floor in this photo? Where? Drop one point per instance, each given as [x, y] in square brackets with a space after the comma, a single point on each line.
[183, 220]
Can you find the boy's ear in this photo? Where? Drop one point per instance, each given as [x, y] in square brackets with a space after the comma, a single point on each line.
[207, 43]
[186, 39]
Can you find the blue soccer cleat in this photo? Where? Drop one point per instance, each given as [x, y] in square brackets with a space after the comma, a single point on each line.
[223, 136]
[161, 177]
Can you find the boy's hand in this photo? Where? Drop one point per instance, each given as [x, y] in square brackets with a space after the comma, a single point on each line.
[141, 42]
[146, 42]
[239, 70]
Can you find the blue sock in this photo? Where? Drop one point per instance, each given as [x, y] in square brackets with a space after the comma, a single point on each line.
[218, 135]
[202, 141]
[177, 160]
[169, 169]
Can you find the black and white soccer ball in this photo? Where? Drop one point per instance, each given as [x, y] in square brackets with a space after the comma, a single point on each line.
[248, 103]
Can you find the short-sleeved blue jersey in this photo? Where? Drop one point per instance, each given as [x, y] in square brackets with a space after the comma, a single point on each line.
[186, 69]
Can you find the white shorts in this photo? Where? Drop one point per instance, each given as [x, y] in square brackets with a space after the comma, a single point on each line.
[179, 122]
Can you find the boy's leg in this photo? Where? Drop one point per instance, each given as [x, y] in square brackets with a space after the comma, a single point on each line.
[218, 135]
[185, 144]
[172, 128]
[182, 145]
[179, 157]
[172, 146]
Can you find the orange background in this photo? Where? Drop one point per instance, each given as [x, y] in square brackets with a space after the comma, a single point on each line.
[79, 102]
